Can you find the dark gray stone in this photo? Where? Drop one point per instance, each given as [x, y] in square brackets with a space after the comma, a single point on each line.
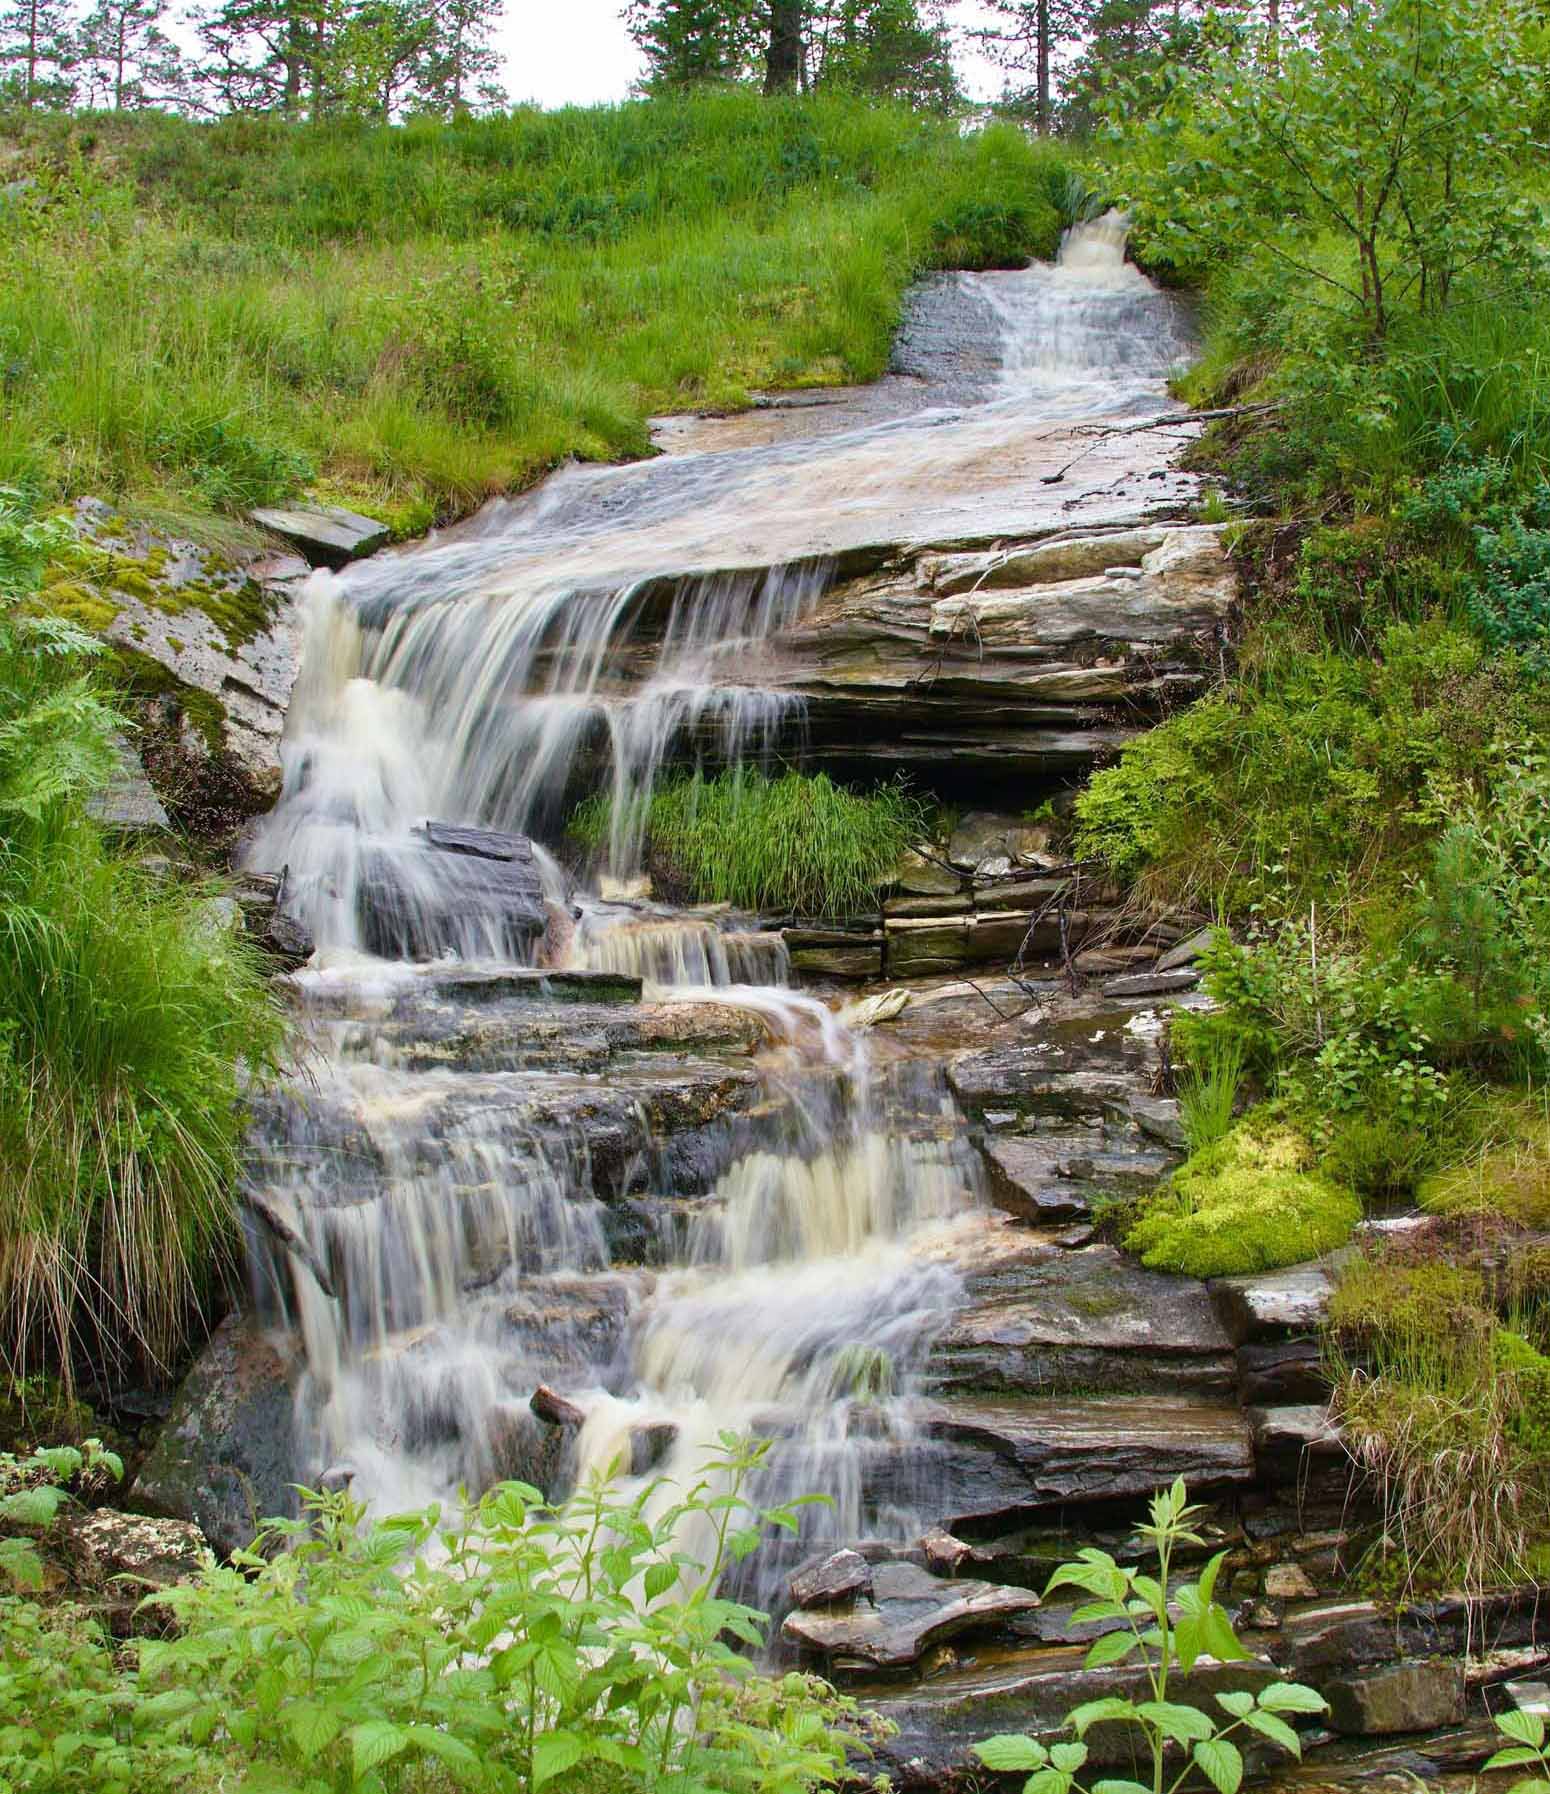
[1158, 1117]
[1152, 984]
[328, 535]
[1039, 1322]
[127, 804]
[1025, 1181]
[225, 1459]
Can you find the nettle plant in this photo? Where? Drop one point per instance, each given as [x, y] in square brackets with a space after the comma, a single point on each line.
[1164, 1630]
[35, 1492]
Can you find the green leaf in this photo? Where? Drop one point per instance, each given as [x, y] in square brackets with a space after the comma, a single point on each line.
[1277, 1730]
[659, 1579]
[1237, 1702]
[31, 1507]
[1221, 1763]
[1010, 1751]
[374, 1742]
[1521, 1726]
[1294, 1697]
[1514, 1757]
[1068, 1758]
[1120, 1787]
[312, 1726]
[1176, 1721]
[1113, 1647]
[554, 1753]
[1091, 1713]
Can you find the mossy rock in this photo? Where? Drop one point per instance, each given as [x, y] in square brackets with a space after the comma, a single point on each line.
[1391, 1301]
[1252, 1201]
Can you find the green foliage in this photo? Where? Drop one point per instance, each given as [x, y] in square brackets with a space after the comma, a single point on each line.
[1252, 1201]
[1208, 1091]
[1163, 1628]
[32, 1491]
[788, 842]
[1391, 127]
[500, 1650]
[1313, 774]
[1525, 1748]
[206, 316]
[1448, 1411]
[129, 1010]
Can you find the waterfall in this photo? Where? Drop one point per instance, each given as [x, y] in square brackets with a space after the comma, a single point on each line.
[493, 1194]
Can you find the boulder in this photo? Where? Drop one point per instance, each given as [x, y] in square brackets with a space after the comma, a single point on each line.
[225, 1461]
[1187, 951]
[909, 1610]
[986, 842]
[1415, 1696]
[472, 892]
[1159, 1117]
[121, 1559]
[841, 1576]
[328, 535]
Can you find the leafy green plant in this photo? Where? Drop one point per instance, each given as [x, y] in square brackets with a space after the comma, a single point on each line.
[129, 1020]
[1526, 1747]
[33, 1492]
[1163, 1628]
[499, 1650]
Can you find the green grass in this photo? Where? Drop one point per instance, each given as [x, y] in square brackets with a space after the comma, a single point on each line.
[201, 317]
[130, 1015]
[789, 842]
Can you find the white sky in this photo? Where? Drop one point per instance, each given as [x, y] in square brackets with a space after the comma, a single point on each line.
[577, 52]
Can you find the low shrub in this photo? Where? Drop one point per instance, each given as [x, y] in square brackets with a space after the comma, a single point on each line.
[1253, 1201]
[790, 841]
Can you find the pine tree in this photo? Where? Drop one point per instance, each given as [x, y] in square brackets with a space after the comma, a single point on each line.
[261, 55]
[37, 52]
[461, 65]
[689, 43]
[1026, 42]
[127, 60]
[890, 49]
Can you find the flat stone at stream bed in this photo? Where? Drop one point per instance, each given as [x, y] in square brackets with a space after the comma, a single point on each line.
[909, 1610]
[1025, 1181]
[328, 535]
[1152, 984]
[477, 984]
[1274, 1304]
[1092, 1319]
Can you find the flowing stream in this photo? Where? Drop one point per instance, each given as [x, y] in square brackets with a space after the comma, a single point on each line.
[493, 1192]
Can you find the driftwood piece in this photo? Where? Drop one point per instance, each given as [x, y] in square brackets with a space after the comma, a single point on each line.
[285, 1234]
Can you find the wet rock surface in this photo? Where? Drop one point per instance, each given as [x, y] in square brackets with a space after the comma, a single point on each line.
[907, 1611]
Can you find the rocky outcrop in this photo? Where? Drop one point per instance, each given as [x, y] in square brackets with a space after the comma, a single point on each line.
[468, 891]
[1030, 657]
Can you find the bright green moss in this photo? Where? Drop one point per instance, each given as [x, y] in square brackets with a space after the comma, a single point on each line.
[1250, 1202]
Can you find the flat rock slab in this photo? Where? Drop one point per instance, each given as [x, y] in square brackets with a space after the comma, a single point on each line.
[942, 1719]
[1274, 1304]
[328, 535]
[128, 804]
[1025, 1181]
[910, 1609]
[1152, 984]
[1091, 1319]
[999, 1459]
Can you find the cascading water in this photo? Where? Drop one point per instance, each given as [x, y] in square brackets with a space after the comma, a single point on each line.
[486, 1197]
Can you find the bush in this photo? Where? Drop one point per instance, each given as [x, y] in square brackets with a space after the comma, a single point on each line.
[1252, 1202]
[788, 842]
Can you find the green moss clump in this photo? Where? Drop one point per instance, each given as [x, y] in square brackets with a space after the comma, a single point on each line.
[81, 604]
[142, 677]
[1251, 1202]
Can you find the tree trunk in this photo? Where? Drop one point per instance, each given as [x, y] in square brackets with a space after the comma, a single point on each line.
[32, 54]
[783, 60]
[1043, 49]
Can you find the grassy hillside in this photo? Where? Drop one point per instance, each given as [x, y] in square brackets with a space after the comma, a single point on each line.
[201, 317]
